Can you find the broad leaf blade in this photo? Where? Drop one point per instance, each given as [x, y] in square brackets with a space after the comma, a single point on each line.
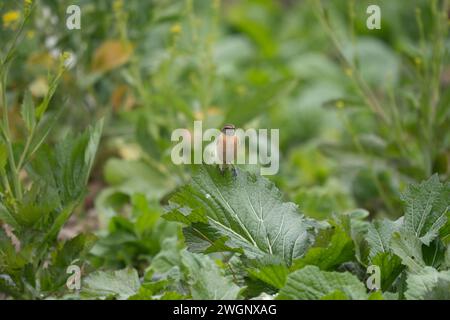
[310, 283]
[427, 205]
[206, 279]
[246, 210]
[379, 236]
[337, 250]
[120, 284]
[409, 248]
[429, 284]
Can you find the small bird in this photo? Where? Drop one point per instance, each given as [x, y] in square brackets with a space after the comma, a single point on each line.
[226, 150]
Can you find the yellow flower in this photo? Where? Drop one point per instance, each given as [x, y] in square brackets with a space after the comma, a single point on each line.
[417, 61]
[30, 34]
[10, 18]
[118, 5]
[348, 72]
[176, 28]
[340, 104]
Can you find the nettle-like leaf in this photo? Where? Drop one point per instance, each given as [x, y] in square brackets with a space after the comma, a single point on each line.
[429, 284]
[409, 248]
[206, 280]
[67, 169]
[390, 268]
[243, 213]
[311, 283]
[120, 284]
[379, 236]
[190, 274]
[333, 247]
[427, 205]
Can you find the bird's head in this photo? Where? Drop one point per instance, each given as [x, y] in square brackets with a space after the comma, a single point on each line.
[229, 129]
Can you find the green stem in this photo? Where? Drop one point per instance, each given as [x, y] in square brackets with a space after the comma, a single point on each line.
[361, 149]
[7, 134]
[25, 150]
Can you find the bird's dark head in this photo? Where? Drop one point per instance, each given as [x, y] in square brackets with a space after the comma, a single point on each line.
[228, 129]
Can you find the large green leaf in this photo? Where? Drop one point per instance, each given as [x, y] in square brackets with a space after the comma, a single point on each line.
[429, 284]
[379, 236]
[206, 279]
[243, 213]
[119, 284]
[334, 251]
[427, 204]
[390, 268]
[270, 271]
[409, 248]
[311, 283]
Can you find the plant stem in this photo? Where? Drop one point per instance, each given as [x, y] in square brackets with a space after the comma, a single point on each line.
[7, 136]
[25, 150]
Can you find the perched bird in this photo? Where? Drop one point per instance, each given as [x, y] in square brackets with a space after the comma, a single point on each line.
[226, 149]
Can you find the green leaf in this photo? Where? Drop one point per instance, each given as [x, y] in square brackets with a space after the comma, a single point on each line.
[245, 209]
[40, 110]
[335, 295]
[330, 255]
[7, 217]
[427, 205]
[409, 248]
[390, 268]
[429, 284]
[120, 284]
[269, 271]
[311, 283]
[67, 169]
[206, 279]
[444, 233]
[379, 236]
[167, 258]
[73, 249]
[43, 130]
[28, 112]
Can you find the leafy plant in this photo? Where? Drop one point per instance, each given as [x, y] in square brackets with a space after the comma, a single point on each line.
[327, 260]
[40, 188]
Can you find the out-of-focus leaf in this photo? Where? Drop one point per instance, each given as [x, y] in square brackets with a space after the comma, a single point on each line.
[120, 284]
[3, 155]
[110, 55]
[7, 217]
[28, 111]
